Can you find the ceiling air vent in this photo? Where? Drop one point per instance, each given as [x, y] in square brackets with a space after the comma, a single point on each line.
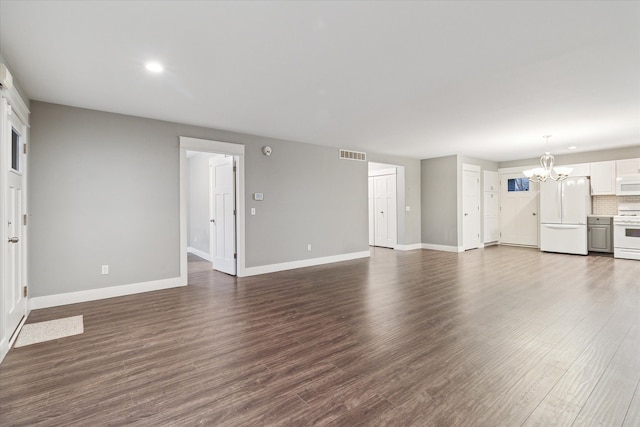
[353, 155]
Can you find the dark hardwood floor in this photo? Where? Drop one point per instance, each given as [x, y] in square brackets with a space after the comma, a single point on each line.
[493, 337]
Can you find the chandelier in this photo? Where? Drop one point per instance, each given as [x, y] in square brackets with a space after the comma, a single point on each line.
[546, 169]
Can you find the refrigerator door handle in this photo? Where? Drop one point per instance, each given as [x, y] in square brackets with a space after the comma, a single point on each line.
[562, 226]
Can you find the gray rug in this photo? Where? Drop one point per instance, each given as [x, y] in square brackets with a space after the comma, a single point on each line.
[33, 333]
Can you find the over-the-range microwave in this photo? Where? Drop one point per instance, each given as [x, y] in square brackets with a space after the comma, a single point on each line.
[628, 185]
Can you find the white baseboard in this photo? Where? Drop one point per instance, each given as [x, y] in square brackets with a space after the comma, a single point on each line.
[409, 247]
[443, 248]
[103, 293]
[198, 252]
[271, 268]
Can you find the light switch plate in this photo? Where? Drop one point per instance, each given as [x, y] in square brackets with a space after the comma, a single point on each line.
[258, 196]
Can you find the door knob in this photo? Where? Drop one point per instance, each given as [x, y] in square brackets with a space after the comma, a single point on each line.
[466, 214]
[14, 239]
[534, 214]
[212, 220]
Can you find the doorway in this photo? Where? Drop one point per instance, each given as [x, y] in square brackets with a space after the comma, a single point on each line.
[212, 209]
[383, 205]
[470, 206]
[219, 226]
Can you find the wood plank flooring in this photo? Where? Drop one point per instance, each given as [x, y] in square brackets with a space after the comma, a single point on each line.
[494, 337]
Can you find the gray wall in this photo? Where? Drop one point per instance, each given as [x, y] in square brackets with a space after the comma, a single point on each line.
[310, 197]
[409, 223]
[439, 189]
[586, 157]
[198, 224]
[104, 189]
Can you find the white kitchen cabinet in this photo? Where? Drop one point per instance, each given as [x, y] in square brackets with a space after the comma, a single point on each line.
[627, 167]
[603, 178]
[580, 169]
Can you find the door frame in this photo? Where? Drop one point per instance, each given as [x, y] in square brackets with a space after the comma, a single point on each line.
[17, 106]
[214, 147]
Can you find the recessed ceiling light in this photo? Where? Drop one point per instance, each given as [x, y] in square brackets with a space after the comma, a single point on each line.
[154, 67]
[573, 147]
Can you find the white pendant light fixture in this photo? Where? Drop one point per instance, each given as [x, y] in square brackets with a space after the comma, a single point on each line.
[546, 169]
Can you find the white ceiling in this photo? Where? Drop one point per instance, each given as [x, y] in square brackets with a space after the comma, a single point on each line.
[418, 79]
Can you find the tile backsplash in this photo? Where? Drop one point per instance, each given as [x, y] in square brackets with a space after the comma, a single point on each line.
[608, 205]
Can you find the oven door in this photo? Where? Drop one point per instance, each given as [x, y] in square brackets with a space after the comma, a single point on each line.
[626, 235]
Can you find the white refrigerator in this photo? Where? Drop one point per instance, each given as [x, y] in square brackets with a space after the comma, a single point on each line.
[564, 207]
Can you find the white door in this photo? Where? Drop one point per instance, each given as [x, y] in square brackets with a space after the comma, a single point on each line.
[14, 303]
[385, 234]
[223, 219]
[372, 218]
[471, 209]
[518, 210]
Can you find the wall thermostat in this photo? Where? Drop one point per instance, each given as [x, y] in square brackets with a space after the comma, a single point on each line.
[266, 150]
[258, 196]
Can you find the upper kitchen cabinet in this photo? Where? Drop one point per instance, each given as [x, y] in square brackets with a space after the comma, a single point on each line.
[603, 178]
[580, 169]
[627, 167]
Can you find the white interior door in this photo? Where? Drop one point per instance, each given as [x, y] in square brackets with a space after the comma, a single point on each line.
[519, 223]
[223, 218]
[372, 218]
[471, 209]
[386, 232]
[14, 303]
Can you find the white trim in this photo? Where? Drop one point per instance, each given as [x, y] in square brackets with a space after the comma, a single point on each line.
[6, 346]
[408, 247]
[210, 146]
[381, 172]
[103, 293]
[198, 252]
[443, 248]
[470, 167]
[271, 268]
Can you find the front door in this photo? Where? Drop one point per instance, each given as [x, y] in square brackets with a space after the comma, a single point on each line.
[519, 222]
[223, 214]
[14, 251]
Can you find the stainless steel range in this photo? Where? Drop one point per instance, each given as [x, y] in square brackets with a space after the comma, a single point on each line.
[626, 231]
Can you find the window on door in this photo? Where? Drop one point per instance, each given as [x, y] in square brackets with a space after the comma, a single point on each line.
[16, 146]
[518, 184]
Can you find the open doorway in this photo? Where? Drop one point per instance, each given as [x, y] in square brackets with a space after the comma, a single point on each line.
[383, 205]
[211, 226]
[211, 206]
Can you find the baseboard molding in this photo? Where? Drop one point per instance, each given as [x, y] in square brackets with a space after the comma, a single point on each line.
[443, 248]
[272, 268]
[411, 247]
[198, 252]
[103, 293]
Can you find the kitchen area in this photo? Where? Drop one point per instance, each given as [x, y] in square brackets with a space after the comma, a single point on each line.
[594, 211]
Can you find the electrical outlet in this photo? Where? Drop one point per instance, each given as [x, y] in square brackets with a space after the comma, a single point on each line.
[105, 269]
[309, 247]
